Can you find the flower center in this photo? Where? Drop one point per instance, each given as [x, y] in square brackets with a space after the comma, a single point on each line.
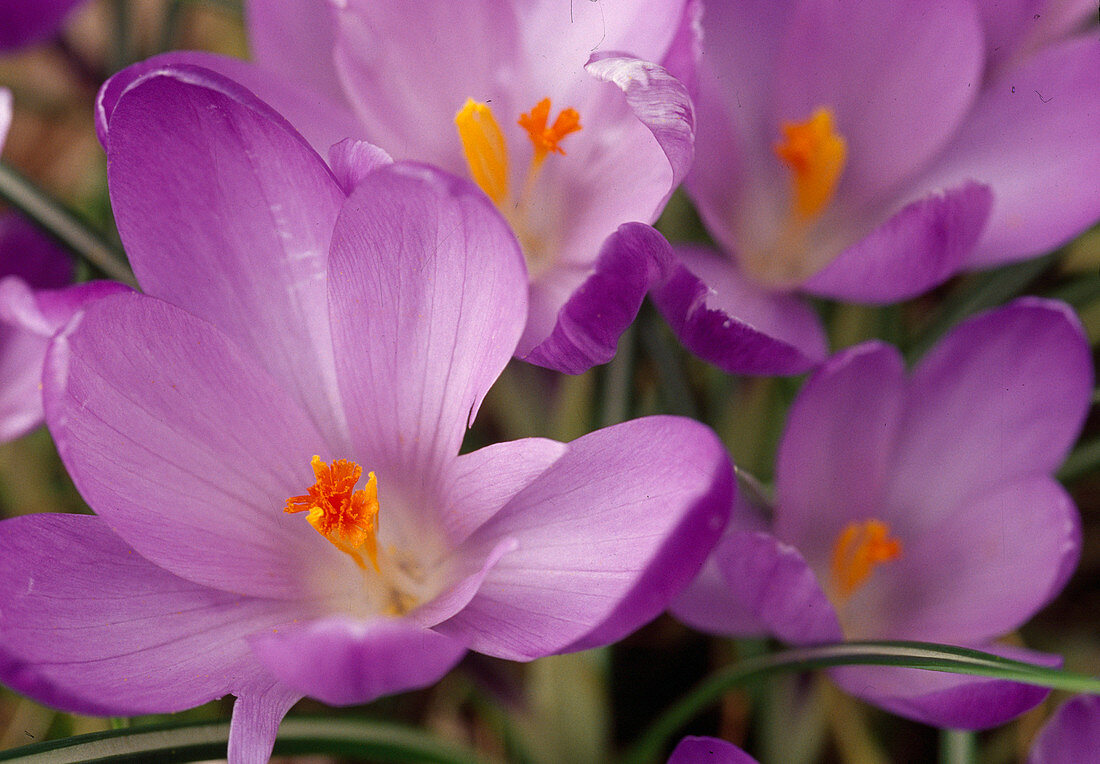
[815, 154]
[346, 517]
[859, 549]
[486, 153]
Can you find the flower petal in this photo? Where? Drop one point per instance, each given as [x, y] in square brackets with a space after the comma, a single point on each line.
[708, 750]
[255, 722]
[321, 120]
[774, 583]
[25, 23]
[836, 450]
[483, 481]
[1071, 735]
[184, 445]
[727, 320]
[346, 662]
[296, 37]
[587, 328]
[1019, 378]
[89, 626]
[437, 255]
[984, 569]
[939, 699]
[917, 248]
[899, 78]
[406, 92]
[353, 160]
[660, 102]
[226, 212]
[1031, 137]
[5, 115]
[607, 537]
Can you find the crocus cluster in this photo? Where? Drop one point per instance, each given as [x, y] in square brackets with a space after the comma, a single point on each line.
[302, 347]
[341, 244]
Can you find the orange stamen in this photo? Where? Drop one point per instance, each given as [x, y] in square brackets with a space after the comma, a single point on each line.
[860, 548]
[816, 155]
[346, 517]
[546, 139]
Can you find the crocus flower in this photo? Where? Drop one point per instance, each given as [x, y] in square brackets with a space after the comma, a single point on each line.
[36, 300]
[1071, 735]
[270, 439]
[708, 750]
[923, 507]
[867, 152]
[556, 110]
[23, 22]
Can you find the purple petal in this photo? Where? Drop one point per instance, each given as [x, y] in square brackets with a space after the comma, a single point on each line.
[708, 603]
[5, 115]
[729, 321]
[660, 102]
[984, 569]
[1000, 397]
[835, 454]
[774, 583]
[428, 298]
[899, 78]
[607, 536]
[587, 327]
[407, 73]
[1071, 735]
[941, 699]
[683, 56]
[319, 119]
[255, 723]
[28, 319]
[1016, 28]
[185, 446]
[483, 481]
[1031, 137]
[347, 662]
[296, 37]
[917, 248]
[704, 750]
[25, 251]
[353, 160]
[23, 23]
[226, 212]
[89, 626]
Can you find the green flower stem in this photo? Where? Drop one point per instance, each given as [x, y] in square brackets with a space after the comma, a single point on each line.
[194, 742]
[958, 747]
[955, 660]
[63, 225]
[618, 382]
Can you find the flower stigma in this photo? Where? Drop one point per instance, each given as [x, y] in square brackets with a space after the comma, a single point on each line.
[859, 549]
[815, 154]
[486, 152]
[346, 517]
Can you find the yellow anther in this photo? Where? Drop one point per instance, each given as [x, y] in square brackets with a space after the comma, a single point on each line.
[346, 517]
[546, 139]
[859, 548]
[485, 149]
[815, 154]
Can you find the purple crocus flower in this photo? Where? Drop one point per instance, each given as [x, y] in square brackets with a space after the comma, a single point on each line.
[1071, 735]
[708, 750]
[868, 151]
[921, 508]
[35, 302]
[23, 22]
[304, 350]
[555, 109]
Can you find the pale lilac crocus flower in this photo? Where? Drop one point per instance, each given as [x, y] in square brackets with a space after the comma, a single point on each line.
[1071, 735]
[270, 439]
[559, 111]
[36, 300]
[920, 507]
[23, 22]
[868, 151]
